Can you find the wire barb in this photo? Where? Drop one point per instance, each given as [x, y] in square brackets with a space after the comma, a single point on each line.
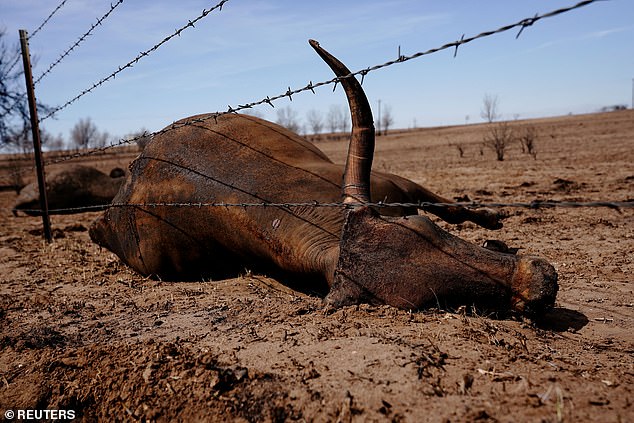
[525, 24]
[458, 44]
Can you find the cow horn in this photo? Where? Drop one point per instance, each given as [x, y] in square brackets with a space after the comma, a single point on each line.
[356, 178]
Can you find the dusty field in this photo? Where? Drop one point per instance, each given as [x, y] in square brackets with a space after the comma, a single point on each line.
[80, 331]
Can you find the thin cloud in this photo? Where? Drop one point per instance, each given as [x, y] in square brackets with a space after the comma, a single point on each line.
[593, 35]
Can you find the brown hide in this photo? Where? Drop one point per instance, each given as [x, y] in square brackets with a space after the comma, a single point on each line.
[404, 261]
[238, 159]
[68, 188]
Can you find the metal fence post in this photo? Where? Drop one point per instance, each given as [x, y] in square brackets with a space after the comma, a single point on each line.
[35, 131]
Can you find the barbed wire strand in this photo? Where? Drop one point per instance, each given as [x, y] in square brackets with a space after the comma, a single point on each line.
[524, 23]
[134, 61]
[47, 19]
[17, 57]
[78, 42]
[536, 204]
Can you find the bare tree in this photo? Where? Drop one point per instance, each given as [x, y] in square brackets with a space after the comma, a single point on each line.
[18, 139]
[85, 134]
[459, 147]
[287, 117]
[387, 119]
[52, 142]
[315, 121]
[22, 140]
[15, 126]
[489, 110]
[527, 140]
[499, 137]
[332, 119]
[338, 119]
[344, 121]
[142, 137]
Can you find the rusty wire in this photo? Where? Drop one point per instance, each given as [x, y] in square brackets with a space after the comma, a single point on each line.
[78, 42]
[422, 205]
[522, 24]
[190, 24]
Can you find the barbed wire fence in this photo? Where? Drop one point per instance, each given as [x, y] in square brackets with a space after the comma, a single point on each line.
[421, 205]
[81, 39]
[289, 93]
[522, 24]
[190, 24]
[66, 52]
[35, 31]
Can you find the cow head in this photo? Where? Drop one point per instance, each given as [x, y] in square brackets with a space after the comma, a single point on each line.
[410, 262]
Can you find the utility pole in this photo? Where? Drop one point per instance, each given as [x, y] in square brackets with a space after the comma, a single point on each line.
[379, 120]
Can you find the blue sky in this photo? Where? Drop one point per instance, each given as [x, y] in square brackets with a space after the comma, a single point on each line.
[573, 63]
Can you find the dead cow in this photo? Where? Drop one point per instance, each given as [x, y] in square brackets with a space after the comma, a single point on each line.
[362, 256]
[70, 189]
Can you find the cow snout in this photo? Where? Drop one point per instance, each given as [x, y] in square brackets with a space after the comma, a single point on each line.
[534, 286]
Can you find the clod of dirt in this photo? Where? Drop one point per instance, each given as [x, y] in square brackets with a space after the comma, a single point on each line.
[75, 227]
[484, 193]
[566, 185]
[57, 233]
[563, 182]
[36, 338]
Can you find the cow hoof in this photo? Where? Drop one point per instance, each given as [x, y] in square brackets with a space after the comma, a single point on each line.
[490, 219]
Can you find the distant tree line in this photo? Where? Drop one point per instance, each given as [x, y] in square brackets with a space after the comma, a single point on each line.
[336, 120]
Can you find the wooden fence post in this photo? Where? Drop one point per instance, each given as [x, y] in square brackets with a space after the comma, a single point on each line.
[35, 131]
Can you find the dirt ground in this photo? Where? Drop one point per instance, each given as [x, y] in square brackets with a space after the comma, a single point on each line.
[80, 331]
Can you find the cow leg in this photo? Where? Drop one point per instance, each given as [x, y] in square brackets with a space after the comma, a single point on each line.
[392, 188]
[485, 217]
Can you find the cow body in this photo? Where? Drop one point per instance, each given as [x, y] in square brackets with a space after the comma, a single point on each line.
[357, 255]
[238, 159]
[70, 189]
